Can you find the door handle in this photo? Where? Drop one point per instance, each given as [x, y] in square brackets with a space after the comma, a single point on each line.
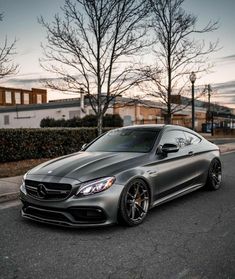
[191, 153]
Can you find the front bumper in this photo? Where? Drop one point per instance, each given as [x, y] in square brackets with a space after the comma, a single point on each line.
[99, 209]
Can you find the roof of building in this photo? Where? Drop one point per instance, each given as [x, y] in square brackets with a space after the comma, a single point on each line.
[22, 89]
[50, 105]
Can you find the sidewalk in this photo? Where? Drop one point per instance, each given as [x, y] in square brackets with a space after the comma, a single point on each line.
[9, 186]
[226, 147]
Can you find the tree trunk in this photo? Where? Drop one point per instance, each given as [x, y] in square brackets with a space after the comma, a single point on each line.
[100, 124]
[168, 118]
[168, 114]
[169, 87]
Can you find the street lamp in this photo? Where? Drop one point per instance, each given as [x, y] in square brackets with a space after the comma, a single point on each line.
[193, 78]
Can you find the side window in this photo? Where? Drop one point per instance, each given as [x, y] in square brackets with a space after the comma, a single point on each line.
[6, 119]
[176, 137]
[8, 97]
[26, 98]
[191, 139]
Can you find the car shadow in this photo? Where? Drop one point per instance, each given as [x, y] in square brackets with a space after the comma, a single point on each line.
[119, 228]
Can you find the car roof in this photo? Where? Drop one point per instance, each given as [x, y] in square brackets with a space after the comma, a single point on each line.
[145, 126]
[159, 127]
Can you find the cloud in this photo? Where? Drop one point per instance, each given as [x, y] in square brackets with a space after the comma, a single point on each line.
[26, 51]
[224, 93]
[22, 81]
[225, 86]
[26, 79]
[228, 58]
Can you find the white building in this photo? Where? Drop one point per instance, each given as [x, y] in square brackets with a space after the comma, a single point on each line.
[30, 116]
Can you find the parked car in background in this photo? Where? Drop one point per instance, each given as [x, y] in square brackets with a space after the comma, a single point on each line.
[120, 176]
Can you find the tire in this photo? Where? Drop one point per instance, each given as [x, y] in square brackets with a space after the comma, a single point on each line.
[214, 178]
[134, 203]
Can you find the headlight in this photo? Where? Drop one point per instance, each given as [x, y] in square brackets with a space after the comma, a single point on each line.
[24, 177]
[22, 187]
[95, 186]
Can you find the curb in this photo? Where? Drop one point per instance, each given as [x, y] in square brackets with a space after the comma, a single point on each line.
[9, 197]
[227, 151]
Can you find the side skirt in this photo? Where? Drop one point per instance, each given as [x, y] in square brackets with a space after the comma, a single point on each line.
[177, 194]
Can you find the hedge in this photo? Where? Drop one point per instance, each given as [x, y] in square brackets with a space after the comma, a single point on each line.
[109, 120]
[20, 144]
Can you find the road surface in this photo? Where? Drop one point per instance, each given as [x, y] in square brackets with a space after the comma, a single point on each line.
[191, 237]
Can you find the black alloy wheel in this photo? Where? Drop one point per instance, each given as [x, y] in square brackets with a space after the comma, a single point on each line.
[134, 203]
[214, 175]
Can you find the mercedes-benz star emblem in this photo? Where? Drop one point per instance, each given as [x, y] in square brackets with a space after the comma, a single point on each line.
[42, 191]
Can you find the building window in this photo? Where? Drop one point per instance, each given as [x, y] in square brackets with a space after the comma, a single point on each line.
[6, 120]
[17, 98]
[8, 97]
[26, 98]
[39, 98]
[74, 113]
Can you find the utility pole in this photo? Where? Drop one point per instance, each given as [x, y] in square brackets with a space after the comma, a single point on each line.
[209, 97]
[210, 116]
[193, 78]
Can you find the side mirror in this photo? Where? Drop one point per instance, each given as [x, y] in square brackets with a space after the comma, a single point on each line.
[169, 148]
[83, 146]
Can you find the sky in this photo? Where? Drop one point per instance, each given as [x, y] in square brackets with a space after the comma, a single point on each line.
[21, 22]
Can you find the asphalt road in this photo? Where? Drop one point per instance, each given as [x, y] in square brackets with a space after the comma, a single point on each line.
[191, 237]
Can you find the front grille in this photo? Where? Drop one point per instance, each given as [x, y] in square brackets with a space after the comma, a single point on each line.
[47, 190]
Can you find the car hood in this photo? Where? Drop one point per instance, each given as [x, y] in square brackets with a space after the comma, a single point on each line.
[84, 166]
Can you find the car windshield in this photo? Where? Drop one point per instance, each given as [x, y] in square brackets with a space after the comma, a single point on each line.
[125, 140]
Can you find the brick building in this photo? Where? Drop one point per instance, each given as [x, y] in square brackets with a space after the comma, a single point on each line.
[138, 112]
[15, 96]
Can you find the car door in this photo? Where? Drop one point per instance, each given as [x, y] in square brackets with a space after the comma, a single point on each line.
[200, 159]
[174, 170]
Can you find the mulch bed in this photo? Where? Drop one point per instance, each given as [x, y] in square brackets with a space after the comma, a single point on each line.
[10, 169]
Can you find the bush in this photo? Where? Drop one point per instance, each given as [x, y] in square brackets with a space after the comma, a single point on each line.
[109, 120]
[112, 120]
[89, 121]
[20, 144]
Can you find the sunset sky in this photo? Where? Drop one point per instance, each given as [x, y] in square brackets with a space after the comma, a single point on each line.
[20, 22]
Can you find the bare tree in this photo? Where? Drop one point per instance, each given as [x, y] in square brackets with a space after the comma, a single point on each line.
[7, 67]
[178, 53]
[94, 47]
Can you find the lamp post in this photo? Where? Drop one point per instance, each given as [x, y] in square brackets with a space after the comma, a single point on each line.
[193, 78]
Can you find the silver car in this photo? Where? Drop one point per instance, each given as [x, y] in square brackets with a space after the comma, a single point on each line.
[120, 176]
